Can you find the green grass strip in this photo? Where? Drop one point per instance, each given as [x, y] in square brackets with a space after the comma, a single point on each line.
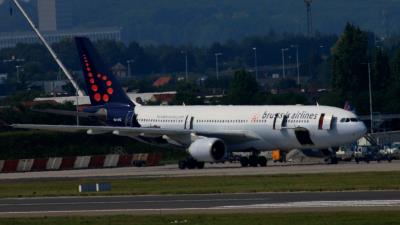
[314, 218]
[203, 185]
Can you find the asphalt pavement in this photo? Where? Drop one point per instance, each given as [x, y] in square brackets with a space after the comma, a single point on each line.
[228, 169]
[214, 203]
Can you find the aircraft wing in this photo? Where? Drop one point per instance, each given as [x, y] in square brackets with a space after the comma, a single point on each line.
[229, 137]
[64, 112]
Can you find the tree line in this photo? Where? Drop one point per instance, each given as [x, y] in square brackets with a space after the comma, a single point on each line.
[356, 59]
[169, 59]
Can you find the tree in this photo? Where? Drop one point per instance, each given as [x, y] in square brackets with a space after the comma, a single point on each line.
[349, 71]
[243, 89]
[392, 91]
[349, 55]
[395, 75]
[187, 93]
[380, 79]
[382, 75]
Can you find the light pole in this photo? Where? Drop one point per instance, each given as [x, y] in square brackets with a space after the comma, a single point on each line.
[14, 61]
[370, 97]
[129, 61]
[19, 68]
[186, 64]
[283, 62]
[216, 64]
[297, 63]
[255, 62]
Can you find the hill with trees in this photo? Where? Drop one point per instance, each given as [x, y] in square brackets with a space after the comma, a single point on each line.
[205, 21]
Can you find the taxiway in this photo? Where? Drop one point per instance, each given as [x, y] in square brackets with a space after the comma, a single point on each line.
[215, 203]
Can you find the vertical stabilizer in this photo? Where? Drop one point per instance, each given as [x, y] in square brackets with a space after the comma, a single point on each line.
[102, 86]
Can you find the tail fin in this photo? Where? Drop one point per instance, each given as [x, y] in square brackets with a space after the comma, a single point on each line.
[102, 86]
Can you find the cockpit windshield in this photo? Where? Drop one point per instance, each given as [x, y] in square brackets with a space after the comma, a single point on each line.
[349, 120]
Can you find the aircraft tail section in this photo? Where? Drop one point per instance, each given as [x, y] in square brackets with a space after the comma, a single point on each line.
[102, 86]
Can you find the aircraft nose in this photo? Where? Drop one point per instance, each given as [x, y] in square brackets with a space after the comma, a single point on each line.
[362, 129]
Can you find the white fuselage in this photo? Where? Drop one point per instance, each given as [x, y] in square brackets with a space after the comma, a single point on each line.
[278, 127]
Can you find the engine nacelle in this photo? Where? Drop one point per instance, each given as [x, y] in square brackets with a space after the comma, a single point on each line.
[207, 149]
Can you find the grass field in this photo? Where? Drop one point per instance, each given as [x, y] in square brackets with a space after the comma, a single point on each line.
[323, 218]
[202, 185]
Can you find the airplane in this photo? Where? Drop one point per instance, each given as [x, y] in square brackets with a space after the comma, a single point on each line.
[207, 133]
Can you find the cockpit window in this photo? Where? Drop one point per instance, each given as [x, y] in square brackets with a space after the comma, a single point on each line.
[347, 120]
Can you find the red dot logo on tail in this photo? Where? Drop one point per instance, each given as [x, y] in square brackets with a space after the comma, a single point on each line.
[106, 98]
[110, 91]
[95, 88]
[97, 97]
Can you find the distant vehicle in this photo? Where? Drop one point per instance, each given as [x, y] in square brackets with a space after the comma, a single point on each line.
[371, 153]
[345, 153]
[364, 153]
[395, 150]
[278, 156]
[208, 133]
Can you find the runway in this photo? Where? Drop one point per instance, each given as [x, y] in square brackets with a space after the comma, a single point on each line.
[216, 203]
[227, 169]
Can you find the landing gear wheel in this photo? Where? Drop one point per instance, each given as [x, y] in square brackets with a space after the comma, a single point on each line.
[182, 164]
[191, 164]
[334, 160]
[244, 161]
[200, 165]
[253, 161]
[262, 161]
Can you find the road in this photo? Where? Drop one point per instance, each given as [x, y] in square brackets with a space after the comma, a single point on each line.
[210, 170]
[215, 203]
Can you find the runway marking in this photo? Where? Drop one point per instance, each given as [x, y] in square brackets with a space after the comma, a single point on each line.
[319, 204]
[132, 202]
[105, 211]
[311, 204]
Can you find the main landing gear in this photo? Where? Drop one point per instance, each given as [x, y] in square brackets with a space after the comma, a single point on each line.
[253, 160]
[191, 164]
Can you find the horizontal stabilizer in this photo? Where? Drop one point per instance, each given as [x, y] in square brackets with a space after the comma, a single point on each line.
[65, 112]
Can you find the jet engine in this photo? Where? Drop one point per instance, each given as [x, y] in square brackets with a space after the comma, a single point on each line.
[207, 149]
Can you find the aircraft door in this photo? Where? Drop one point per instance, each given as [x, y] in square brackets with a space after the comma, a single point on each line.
[325, 122]
[303, 136]
[189, 123]
[280, 122]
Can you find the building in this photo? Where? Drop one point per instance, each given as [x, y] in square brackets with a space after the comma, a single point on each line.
[119, 71]
[9, 40]
[55, 15]
[55, 22]
[160, 97]
[53, 87]
[47, 15]
[162, 81]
